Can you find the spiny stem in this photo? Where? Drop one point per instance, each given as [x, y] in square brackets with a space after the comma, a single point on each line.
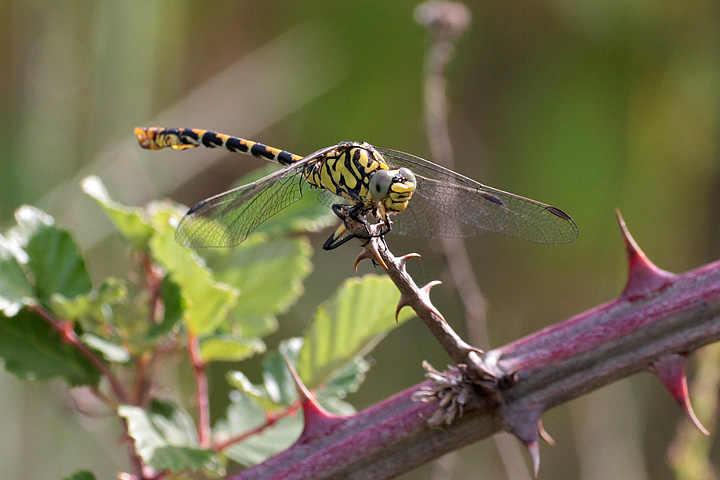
[549, 367]
[461, 353]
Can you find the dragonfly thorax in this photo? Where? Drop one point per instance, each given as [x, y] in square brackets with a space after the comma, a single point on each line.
[359, 173]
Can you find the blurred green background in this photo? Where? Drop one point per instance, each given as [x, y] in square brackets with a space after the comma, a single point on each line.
[590, 106]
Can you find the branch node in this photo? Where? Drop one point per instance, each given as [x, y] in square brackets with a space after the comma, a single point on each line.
[452, 391]
[444, 20]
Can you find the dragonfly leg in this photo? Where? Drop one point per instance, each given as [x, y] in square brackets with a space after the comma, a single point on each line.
[339, 237]
[342, 234]
[345, 231]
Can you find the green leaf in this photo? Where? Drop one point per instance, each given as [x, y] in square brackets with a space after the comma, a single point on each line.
[112, 352]
[174, 304]
[254, 324]
[346, 379]
[305, 215]
[207, 301]
[278, 388]
[178, 458]
[81, 475]
[53, 257]
[244, 415]
[15, 290]
[335, 405]
[130, 222]
[165, 438]
[269, 274]
[277, 379]
[226, 348]
[348, 326]
[94, 304]
[32, 350]
[240, 381]
[29, 220]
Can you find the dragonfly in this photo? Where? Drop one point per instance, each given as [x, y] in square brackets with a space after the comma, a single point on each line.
[401, 192]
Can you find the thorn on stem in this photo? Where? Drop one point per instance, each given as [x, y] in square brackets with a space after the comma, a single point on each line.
[403, 260]
[526, 426]
[370, 251]
[534, 450]
[318, 421]
[544, 435]
[426, 299]
[670, 369]
[406, 301]
[644, 277]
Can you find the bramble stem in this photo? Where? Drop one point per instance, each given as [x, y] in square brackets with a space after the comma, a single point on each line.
[65, 329]
[201, 390]
[549, 367]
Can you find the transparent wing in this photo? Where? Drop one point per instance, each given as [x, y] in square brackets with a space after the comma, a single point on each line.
[447, 204]
[227, 219]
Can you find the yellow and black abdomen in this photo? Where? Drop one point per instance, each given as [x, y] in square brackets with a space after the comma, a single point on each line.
[156, 138]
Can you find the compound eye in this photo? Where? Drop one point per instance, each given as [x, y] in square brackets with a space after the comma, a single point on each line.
[410, 176]
[380, 184]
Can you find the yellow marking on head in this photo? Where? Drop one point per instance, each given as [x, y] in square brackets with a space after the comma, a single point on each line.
[399, 196]
[402, 187]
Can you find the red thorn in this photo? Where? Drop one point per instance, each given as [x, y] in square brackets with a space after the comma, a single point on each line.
[370, 251]
[670, 369]
[403, 260]
[426, 299]
[363, 255]
[644, 277]
[534, 450]
[430, 285]
[524, 425]
[402, 303]
[318, 421]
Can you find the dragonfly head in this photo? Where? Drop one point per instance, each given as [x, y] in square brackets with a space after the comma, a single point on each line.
[393, 188]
